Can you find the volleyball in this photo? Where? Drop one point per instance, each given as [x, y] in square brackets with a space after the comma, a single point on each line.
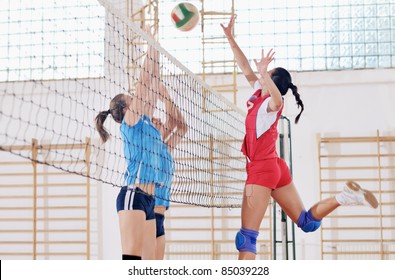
[185, 16]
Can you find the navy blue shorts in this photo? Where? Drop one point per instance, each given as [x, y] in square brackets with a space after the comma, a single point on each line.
[160, 227]
[133, 198]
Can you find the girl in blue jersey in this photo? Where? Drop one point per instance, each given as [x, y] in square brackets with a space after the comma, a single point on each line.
[172, 131]
[142, 145]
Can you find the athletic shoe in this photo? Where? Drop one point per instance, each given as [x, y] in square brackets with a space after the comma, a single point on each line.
[353, 194]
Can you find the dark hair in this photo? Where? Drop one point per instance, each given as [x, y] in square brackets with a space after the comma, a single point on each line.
[117, 106]
[282, 78]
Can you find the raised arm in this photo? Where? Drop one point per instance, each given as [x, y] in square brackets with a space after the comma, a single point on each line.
[175, 126]
[241, 59]
[276, 100]
[150, 78]
[147, 87]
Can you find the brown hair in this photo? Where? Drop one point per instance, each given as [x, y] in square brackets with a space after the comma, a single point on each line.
[117, 106]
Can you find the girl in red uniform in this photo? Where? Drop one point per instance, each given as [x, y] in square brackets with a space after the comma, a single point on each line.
[267, 174]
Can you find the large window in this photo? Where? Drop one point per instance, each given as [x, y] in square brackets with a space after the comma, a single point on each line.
[307, 35]
[64, 39]
[51, 39]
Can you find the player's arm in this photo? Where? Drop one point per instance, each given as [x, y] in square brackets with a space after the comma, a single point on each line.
[147, 88]
[170, 109]
[175, 126]
[241, 59]
[178, 134]
[276, 100]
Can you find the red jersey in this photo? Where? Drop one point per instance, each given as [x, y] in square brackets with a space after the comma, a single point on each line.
[259, 147]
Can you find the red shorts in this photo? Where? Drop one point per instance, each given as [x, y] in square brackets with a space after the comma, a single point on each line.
[271, 173]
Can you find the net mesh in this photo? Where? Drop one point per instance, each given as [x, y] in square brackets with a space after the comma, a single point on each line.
[82, 66]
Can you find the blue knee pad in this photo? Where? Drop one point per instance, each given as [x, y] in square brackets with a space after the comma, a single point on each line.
[307, 222]
[246, 240]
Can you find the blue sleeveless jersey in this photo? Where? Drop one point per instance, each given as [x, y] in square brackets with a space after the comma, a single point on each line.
[142, 144]
[162, 192]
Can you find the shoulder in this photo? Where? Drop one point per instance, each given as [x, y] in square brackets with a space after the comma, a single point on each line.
[264, 108]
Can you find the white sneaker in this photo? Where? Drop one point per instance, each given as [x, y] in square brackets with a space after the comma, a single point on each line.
[353, 194]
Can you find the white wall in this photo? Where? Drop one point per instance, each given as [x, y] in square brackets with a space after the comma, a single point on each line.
[345, 103]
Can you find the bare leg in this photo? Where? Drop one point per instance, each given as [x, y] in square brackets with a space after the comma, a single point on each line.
[324, 207]
[132, 233]
[288, 199]
[160, 247]
[149, 242]
[255, 201]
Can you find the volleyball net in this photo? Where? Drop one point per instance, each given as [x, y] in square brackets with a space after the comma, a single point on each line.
[64, 64]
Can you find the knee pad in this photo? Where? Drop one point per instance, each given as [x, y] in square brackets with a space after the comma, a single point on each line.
[246, 240]
[307, 222]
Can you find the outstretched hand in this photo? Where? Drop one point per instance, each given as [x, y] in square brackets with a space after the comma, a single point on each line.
[228, 29]
[265, 61]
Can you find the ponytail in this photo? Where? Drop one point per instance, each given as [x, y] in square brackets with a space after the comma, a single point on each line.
[282, 78]
[298, 100]
[100, 118]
